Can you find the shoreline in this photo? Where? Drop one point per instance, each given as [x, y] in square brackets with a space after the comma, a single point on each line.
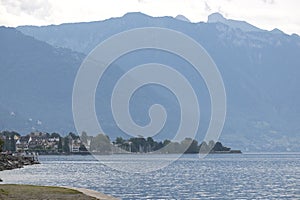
[91, 193]
[141, 153]
[10, 161]
[23, 191]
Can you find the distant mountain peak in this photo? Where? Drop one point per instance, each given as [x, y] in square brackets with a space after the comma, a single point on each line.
[135, 14]
[182, 18]
[236, 24]
[263, 95]
[277, 31]
[216, 17]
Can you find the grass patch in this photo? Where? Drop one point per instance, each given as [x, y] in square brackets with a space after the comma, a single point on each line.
[14, 191]
[3, 192]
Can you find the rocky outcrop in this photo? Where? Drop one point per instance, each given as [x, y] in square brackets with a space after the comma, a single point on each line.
[8, 162]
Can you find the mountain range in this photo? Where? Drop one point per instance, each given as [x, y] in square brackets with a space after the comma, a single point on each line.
[260, 69]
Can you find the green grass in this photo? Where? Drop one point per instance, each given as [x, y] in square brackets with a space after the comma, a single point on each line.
[13, 191]
[3, 192]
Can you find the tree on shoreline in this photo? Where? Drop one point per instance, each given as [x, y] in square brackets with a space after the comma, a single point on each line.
[101, 143]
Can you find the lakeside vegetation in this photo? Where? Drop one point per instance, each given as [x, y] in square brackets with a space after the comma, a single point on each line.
[54, 143]
[20, 192]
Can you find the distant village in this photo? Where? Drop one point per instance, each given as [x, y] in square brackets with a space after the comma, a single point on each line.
[54, 143]
[40, 142]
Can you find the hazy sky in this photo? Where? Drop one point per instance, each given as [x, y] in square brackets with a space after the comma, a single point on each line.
[266, 14]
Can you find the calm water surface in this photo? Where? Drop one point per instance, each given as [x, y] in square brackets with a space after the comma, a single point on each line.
[245, 176]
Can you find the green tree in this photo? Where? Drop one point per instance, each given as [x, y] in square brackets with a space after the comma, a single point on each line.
[192, 146]
[172, 147]
[73, 135]
[204, 148]
[150, 144]
[211, 144]
[60, 145]
[1, 144]
[65, 146]
[55, 135]
[9, 140]
[138, 144]
[158, 146]
[219, 147]
[84, 137]
[120, 140]
[166, 142]
[101, 144]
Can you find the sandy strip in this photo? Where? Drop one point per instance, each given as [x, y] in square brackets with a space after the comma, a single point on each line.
[92, 193]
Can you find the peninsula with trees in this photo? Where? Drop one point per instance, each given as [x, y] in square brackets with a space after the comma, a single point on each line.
[54, 143]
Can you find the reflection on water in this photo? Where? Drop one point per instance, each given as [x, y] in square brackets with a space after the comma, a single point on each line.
[251, 176]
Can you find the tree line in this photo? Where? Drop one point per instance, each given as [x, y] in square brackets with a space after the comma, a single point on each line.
[101, 143]
[188, 145]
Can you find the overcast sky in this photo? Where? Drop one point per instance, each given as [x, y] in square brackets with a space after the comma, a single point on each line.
[266, 14]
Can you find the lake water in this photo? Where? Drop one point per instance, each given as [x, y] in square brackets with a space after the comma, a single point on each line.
[244, 176]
